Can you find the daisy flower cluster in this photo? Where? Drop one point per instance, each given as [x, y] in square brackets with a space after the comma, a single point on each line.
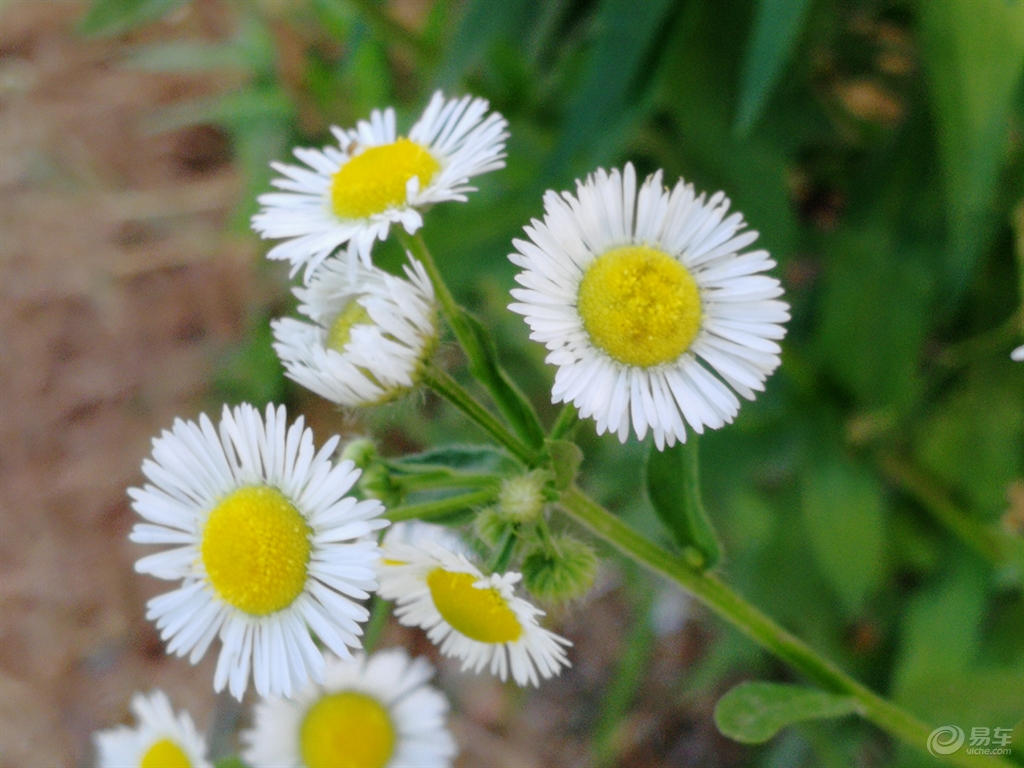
[656, 319]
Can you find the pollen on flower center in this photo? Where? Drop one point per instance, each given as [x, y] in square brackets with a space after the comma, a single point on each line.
[341, 329]
[347, 730]
[165, 754]
[375, 180]
[256, 548]
[639, 305]
[479, 614]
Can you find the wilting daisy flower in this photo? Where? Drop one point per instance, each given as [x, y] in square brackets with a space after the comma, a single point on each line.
[354, 192]
[267, 545]
[638, 294]
[468, 615]
[369, 337]
[376, 712]
[160, 738]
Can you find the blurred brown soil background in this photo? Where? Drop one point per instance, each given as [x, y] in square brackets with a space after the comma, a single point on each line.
[119, 292]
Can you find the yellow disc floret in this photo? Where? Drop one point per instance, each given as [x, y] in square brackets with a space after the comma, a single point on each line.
[479, 614]
[375, 180]
[341, 329]
[347, 730]
[256, 549]
[639, 305]
[165, 754]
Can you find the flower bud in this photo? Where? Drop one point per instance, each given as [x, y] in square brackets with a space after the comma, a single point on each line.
[559, 570]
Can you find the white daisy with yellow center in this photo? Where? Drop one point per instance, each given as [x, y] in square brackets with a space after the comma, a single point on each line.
[376, 712]
[160, 739]
[638, 293]
[354, 192]
[369, 338]
[269, 548]
[469, 616]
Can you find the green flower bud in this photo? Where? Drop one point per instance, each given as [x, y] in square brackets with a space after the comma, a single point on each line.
[560, 570]
[522, 498]
[361, 452]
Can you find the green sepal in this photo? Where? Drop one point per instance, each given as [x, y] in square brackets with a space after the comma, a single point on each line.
[673, 484]
[752, 713]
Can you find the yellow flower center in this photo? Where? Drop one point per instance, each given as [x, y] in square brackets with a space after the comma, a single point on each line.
[375, 180]
[341, 329]
[639, 305]
[347, 730]
[165, 754]
[479, 614]
[256, 549]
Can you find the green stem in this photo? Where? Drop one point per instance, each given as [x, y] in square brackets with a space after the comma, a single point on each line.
[453, 392]
[983, 540]
[503, 553]
[482, 357]
[429, 509]
[566, 420]
[379, 610]
[750, 621]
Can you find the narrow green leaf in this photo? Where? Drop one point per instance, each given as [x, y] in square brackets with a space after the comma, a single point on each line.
[512, 403]
[752, 713]
[481, 458]
[614, 78]
[483, 22]
[111, 17]
[973, 53]
[673, 484]
[844, 515]
[566, 457]
[777, 26]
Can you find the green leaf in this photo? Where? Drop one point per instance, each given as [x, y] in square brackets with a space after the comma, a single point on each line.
[875, 310]
[973, 53]
[566, 458]
[626, 32]
[484, 365]
[844, 515]
[111, 17]
[751, 713]
[777, 26]
[481, 458]
[673, 484]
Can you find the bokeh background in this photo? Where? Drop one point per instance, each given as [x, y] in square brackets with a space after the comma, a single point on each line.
[872, 499]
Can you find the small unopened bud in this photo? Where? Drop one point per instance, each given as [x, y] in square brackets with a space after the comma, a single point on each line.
[522, 498]
[559, 570]
[361, 452]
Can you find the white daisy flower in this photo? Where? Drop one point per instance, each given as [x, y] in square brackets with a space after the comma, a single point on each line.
[636, 292]
[376, 712]
[267, 545]
[468, 615]
[1018, 354]
[159, 739]
[354, 192]
[369, 338]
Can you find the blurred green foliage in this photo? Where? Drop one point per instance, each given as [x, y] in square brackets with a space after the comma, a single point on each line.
[871, 499]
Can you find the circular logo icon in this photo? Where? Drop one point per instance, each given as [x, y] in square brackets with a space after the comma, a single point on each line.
[945, 740]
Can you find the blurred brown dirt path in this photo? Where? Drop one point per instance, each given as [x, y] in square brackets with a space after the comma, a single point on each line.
[118, 291]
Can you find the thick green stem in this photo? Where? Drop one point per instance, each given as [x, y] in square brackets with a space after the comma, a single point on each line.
[504, 550]
[430, 509]
[758, 627]
[452, 391]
